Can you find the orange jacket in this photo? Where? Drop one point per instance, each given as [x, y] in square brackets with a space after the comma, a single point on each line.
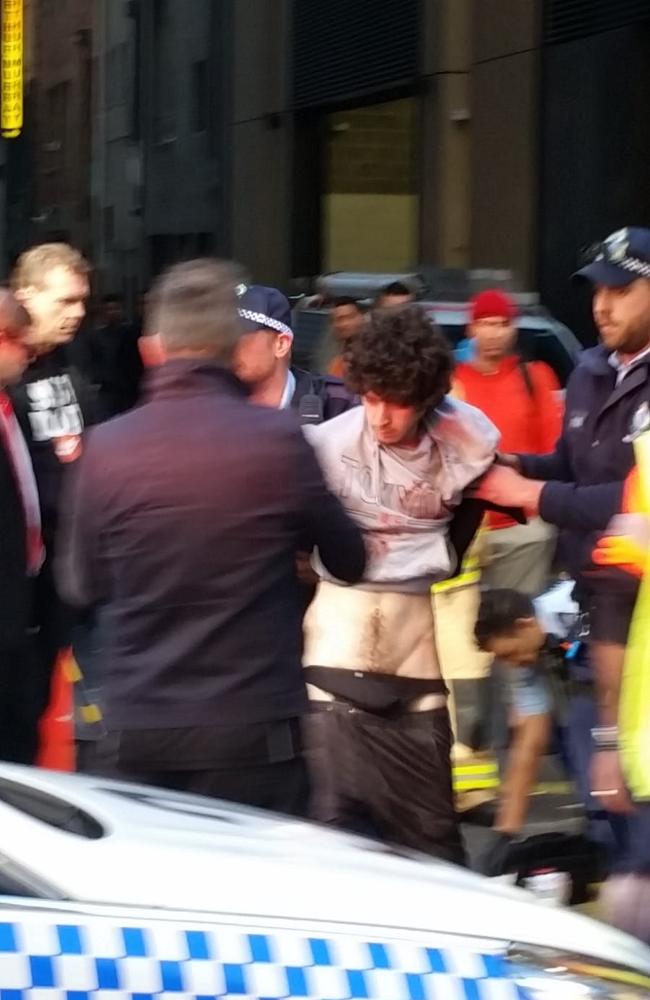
[624, 551]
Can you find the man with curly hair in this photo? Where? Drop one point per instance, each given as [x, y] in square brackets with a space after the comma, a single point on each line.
[380, 732]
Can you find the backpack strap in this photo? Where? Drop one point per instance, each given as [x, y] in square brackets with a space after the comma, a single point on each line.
[525, 374]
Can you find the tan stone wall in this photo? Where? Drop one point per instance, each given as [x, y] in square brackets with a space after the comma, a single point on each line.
[370, 232]
[370, 205]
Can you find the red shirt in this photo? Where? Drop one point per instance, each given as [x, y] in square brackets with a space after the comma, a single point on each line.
[530, 422]
[21, 464]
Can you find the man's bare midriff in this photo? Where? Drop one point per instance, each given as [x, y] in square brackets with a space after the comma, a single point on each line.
[386, 633]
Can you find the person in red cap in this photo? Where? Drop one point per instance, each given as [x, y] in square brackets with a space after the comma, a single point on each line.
[522, 400]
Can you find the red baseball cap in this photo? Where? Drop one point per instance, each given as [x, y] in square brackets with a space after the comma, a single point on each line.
[493, 302]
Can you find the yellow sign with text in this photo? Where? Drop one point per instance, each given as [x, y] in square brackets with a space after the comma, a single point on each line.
[11, 69]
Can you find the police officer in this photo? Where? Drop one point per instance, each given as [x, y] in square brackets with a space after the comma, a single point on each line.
[579, 488]
[264, 361]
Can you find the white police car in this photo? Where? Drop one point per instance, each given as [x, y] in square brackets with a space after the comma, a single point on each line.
[110, 891]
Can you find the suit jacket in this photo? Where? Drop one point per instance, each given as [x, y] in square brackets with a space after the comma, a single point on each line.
[14, 582]
[186, 518]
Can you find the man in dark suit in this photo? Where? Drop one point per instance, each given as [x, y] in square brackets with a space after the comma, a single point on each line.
[185, 523]
[21, 550]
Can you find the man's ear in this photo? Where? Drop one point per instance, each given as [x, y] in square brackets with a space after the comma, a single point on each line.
[152, 350]
[525, 622]
[23, 295]
[283, 345]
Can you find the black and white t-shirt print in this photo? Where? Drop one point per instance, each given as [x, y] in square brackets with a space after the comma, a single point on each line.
[55, 415]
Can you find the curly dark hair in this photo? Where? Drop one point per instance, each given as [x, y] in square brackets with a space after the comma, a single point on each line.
[402, 356]
[499, 613]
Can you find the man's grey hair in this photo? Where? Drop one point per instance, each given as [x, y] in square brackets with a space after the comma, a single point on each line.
[193, 307]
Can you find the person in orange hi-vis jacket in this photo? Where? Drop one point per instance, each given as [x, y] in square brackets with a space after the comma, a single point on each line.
[626, 547]
[622, 547]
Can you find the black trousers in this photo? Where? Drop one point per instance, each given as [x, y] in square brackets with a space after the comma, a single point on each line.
[51, 632]
[385, 777]
[256, 766]
[19, 699]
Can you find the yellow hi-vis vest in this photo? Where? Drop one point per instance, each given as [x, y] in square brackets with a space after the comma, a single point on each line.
[470, 571]
[634, 707]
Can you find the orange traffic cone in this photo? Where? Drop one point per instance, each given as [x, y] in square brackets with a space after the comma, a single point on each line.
[57, 746]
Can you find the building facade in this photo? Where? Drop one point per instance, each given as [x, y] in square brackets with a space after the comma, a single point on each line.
[305, 136]
[17, 157]
[116, 177]
[61, 125]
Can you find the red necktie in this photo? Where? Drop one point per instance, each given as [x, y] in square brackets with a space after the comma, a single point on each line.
[8, 430]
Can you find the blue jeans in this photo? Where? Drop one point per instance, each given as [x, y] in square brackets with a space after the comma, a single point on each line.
[625, 838]
[609, 830]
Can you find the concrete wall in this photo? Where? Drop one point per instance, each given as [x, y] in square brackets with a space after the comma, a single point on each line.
[505, 136]
[117, 166]
[370, 201]
[446, 133]
[259, 130]
[181, 169]
[62, 149]
[370, 232]
[595, 158]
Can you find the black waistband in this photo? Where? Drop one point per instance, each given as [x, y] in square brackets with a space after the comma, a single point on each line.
[383, 694]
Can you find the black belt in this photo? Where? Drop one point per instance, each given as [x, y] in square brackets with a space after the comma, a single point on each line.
[380, 694]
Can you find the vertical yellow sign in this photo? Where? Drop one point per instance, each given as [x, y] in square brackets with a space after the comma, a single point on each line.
[11, 68]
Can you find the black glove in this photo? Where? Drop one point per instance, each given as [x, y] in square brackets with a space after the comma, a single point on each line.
[495, 860]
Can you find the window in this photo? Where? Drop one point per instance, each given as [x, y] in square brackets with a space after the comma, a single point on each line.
[55, 134]
[164, 90]
[199, 96]
[57, 111]
[117, 69]
[109, 225]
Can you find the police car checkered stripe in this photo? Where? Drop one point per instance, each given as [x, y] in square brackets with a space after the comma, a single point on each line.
[99, 960]
[262, 320]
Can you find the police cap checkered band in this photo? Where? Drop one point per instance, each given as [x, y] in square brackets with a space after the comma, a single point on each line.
[260, 320]
[264, 308]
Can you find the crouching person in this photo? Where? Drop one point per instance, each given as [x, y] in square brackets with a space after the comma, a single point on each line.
[508, 627]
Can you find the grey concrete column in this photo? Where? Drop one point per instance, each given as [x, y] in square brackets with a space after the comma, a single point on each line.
[446, 134]
[505, 136]
[261, 137]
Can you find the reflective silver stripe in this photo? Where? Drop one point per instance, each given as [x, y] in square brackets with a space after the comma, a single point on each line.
[636, 266]
[631, 264]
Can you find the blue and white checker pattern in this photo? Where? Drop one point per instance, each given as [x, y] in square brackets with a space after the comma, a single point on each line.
[98, 959]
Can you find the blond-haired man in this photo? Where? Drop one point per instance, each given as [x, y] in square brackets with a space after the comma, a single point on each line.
[53, 404]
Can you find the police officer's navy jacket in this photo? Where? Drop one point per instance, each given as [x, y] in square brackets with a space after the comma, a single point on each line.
[185, 522]
[331, 393]
[586, 473]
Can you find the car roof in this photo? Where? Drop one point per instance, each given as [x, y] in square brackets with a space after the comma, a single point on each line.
[137, 846]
